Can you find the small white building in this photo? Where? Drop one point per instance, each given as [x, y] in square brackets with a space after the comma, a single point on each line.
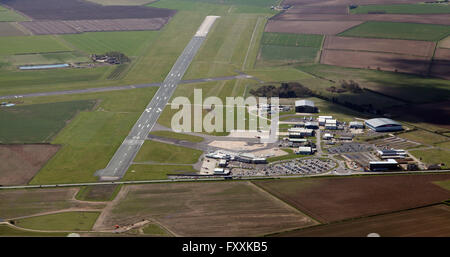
[327, 136]
[331, 124]
[323, 119]
[356, 124]
[305, 150]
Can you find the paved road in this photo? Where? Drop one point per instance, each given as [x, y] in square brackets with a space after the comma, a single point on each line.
[124, 156]
[117, 88]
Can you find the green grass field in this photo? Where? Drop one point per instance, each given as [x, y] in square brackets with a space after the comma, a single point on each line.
[166, 153]
[127, 42]
[10, 29]
[8, 231]
[37, 123]
[91, 139]
[424, 137]
[48, 58]
[403, 9]
[433, 156]
[287, 39]
[398, 30]
[288, 53]
[31, 44]
[179, 136]
[122, 2]
[153, 229]
[98, 193]
[138, 172]
[10, 15]
[444, 184]
[66, 221]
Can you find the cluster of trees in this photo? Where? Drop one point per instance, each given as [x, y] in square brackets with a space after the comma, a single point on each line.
[345, 86]
[122, 58]
[286, 90]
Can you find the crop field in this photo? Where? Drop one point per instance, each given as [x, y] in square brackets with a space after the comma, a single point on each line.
[82, 10]
[21, 162]
[377, 61]
[72, 221]
[333, 199]
[433, 221]
[6, 230]
[433, 156]
[398, 30]
[37, 123]
[98, 193]
[47, 58]
[445, 43]
[204, 209]
[25, 202]
[127, 42]
[287, 39]
[310, 27]
[8, 29]
[154, 151]
[31, 44]
[410, 88]
[155, 171]
[80, 26]
[402, 9]
[288, 53]
[10, 15]
[407, 47]
[122, 2]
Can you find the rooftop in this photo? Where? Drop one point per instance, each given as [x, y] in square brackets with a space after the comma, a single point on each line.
[304, 103]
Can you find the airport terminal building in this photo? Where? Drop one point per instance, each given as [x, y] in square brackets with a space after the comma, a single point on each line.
[383, 125]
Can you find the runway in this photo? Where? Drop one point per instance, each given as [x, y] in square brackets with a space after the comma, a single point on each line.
[124, 156]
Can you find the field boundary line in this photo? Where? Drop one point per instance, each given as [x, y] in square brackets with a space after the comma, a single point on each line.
[251, 42]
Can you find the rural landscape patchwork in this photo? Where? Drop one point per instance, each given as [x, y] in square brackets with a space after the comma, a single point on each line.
[353, 139]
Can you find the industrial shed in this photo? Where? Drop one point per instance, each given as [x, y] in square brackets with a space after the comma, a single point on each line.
[383, 125]
[305, 106]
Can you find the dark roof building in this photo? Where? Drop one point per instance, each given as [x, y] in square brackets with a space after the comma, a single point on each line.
[305, 106]
[383, 125]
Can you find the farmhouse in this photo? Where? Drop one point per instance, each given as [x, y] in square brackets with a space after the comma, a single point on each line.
[383, 125]
[305, 106]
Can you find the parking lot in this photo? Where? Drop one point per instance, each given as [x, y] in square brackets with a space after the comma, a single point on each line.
[350, 148]
[394, 142]
[308, 166]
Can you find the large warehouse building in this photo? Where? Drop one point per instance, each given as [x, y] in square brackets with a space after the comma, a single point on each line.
[383, 125]
[305, 106]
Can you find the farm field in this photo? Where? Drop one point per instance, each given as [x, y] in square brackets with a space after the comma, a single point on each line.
[8, 29]
[8, 231]
[179, 136]
[20, 203]
[288, 39]
[377, 61]
[10, 15]
[122, 2]
[203, 209]
[47, 58]
[445, 43]
[310, 27]
[128, 42]
[333, 199]
[82, 10]
[21, 162]
[30, 45]
[98, 193]
[409, 88]
[402, 8]
[407, 47]
[154, 171]
[38, 123]
[398, 30]
[43, 121]
[153, 151]
[430, 221]
[72, 221]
